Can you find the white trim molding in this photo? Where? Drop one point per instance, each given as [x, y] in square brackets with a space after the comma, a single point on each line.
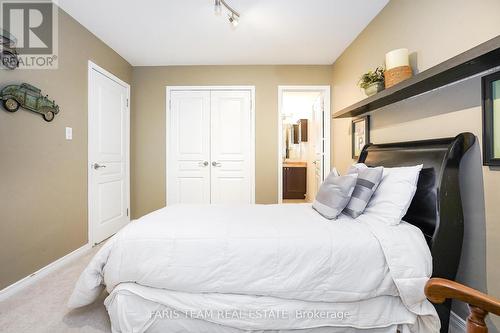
[42, 272]
[457, 324]
[326, 91]
[169, 89]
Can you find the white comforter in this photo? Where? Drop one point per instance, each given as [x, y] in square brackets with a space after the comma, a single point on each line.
[284, 251]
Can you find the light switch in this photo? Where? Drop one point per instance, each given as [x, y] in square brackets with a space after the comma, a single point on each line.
[69, 133]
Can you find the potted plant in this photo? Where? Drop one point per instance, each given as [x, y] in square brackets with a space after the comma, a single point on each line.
[373, 81]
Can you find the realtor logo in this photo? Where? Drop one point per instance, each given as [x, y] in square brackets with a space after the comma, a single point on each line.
[29, 30]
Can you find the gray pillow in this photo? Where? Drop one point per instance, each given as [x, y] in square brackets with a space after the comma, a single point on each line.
[366, 184]
[334, 194]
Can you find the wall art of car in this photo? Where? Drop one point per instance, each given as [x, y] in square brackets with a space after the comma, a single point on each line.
[8, 53]
[30, 98]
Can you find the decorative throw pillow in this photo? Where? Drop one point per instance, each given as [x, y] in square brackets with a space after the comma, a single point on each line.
[394, 194]
[366, 184]
[334, 172]
[334, 194]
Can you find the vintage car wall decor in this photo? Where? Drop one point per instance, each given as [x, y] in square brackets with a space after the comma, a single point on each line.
[8, 52]
[30, 98]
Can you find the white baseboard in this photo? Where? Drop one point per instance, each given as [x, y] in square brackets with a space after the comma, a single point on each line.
[42, 272]
[457, 324]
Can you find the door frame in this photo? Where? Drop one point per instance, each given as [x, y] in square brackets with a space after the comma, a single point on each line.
[168, 162]
[94, 67]
[326, 91]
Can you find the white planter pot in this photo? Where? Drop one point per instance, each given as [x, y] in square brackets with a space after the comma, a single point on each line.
[374, 88]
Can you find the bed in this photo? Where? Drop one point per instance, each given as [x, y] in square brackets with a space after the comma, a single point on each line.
[284, 268]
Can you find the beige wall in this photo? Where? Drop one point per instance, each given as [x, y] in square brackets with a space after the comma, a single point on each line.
[43, 177]
[148, 121]
[434, 31]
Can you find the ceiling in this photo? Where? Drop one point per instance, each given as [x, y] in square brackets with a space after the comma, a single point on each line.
[187, 32]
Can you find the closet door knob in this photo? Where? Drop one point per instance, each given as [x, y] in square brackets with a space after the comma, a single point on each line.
[216, 164]
[203, 164]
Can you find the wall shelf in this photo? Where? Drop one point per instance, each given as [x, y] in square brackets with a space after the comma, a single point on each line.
[476, 60]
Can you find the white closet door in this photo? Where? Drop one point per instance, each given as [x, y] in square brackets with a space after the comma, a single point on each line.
[231, 147]
[189, 147]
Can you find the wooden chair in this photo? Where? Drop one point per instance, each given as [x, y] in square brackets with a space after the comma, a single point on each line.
[439, 290]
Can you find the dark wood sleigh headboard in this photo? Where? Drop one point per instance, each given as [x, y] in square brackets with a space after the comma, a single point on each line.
[437, 206]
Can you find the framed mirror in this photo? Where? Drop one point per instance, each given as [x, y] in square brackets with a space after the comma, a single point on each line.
[491, 119]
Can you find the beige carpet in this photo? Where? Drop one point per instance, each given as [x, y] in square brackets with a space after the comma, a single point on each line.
[41, 307]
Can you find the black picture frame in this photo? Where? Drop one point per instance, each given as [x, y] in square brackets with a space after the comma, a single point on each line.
[355, 122]
[489, 158]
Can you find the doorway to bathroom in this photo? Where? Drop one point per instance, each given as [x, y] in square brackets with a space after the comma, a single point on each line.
[303, 141]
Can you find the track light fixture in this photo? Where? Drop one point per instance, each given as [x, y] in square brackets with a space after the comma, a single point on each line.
[233, 15]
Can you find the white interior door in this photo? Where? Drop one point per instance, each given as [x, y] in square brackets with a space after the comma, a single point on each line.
[231, 134]
[188, 168]
[319, 144]
[108, 155]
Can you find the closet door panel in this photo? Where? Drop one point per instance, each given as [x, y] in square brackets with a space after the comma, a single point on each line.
[189, 148]
[231, 132]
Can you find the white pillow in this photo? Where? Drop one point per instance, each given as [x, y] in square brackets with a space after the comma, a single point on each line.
[393, 197]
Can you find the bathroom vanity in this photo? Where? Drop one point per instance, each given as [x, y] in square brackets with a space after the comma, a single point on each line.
[294, 180]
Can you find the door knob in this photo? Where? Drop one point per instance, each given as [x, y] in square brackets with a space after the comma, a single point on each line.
[216, 164]
[203, 164]
[98, 166]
